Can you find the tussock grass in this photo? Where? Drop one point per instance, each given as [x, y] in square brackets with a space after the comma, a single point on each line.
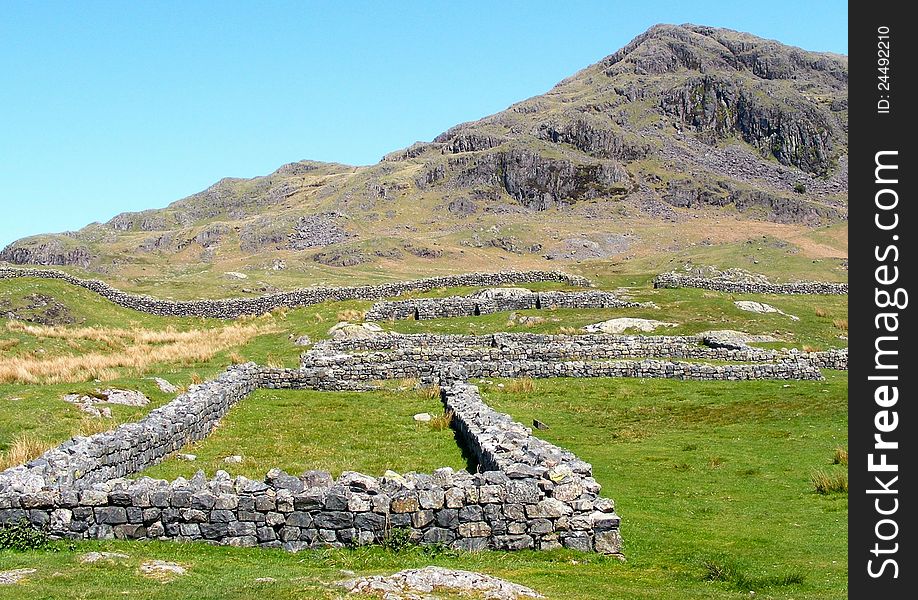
[26, 446]
[146, 348]
[8, 344]
[409, 383]
[715, 462]
[809, 348]
[236, 358]
[569, 330]
[442, 422]
[93, 425]
[828, 483]
[519, 386]
[350, 315]
[841, 456]
[430, 392]
[840, 324]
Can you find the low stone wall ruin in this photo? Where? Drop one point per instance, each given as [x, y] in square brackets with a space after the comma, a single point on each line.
[529, 493]
[509, 347]
[678, 280]
[476, 304]
[234, 307]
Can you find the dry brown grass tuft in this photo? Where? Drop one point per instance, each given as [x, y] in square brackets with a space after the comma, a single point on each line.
[236, 358]
[143, 348]
[827, 483]
[841, 456]
[521, 385]
[809, 348]
[840, 324]
[431, 392]
[821, 312]
[409, 383]
[196, 379]
[442, 422]
[93, 425]
[7, 344]
[350, 315]
[569, 330]
[26, 446]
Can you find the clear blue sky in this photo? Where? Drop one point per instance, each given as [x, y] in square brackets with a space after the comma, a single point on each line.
[114, 106]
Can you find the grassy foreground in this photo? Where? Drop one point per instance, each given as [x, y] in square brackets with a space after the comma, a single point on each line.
[712, 479]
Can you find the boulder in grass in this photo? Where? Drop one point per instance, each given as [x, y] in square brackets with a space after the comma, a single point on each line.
[622, 324]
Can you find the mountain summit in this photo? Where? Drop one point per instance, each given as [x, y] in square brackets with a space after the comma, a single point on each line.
[687, 135]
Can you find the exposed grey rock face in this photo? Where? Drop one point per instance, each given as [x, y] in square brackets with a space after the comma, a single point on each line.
[316, 231]
[795, 133]
[50, 251]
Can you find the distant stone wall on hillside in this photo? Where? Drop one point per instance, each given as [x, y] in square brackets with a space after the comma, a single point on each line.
[234, 307]
[679, 280]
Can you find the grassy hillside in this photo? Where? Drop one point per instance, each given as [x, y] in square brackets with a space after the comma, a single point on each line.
[688, 143]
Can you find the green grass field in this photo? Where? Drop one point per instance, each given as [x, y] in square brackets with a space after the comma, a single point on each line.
[292, 429]
[712, 479]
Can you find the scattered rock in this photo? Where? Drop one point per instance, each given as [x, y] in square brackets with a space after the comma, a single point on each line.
[37, 308]
[303, 340]
[355, 331]
[235, 459]
[161, 569]
[265, 580]
[762, 308]
[92, 557]
[621, 324]
[407, 584]
[539, 424]
[279, 265]
[164, 386]
[423, 417]
[14, 576]
[124, 397]
[88, 404]
[187, 457]
[236, 275]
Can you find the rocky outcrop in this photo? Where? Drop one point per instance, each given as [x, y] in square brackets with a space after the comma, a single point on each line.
[51, 251]
[795, 132]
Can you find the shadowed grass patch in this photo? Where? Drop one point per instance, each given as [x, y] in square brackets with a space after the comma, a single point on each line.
[739, 578]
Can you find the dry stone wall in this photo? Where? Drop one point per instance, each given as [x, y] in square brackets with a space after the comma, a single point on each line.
[529, 493]
[474, 305]
[370, 367]
[678, 280]
[233, 307]
[465, 349]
